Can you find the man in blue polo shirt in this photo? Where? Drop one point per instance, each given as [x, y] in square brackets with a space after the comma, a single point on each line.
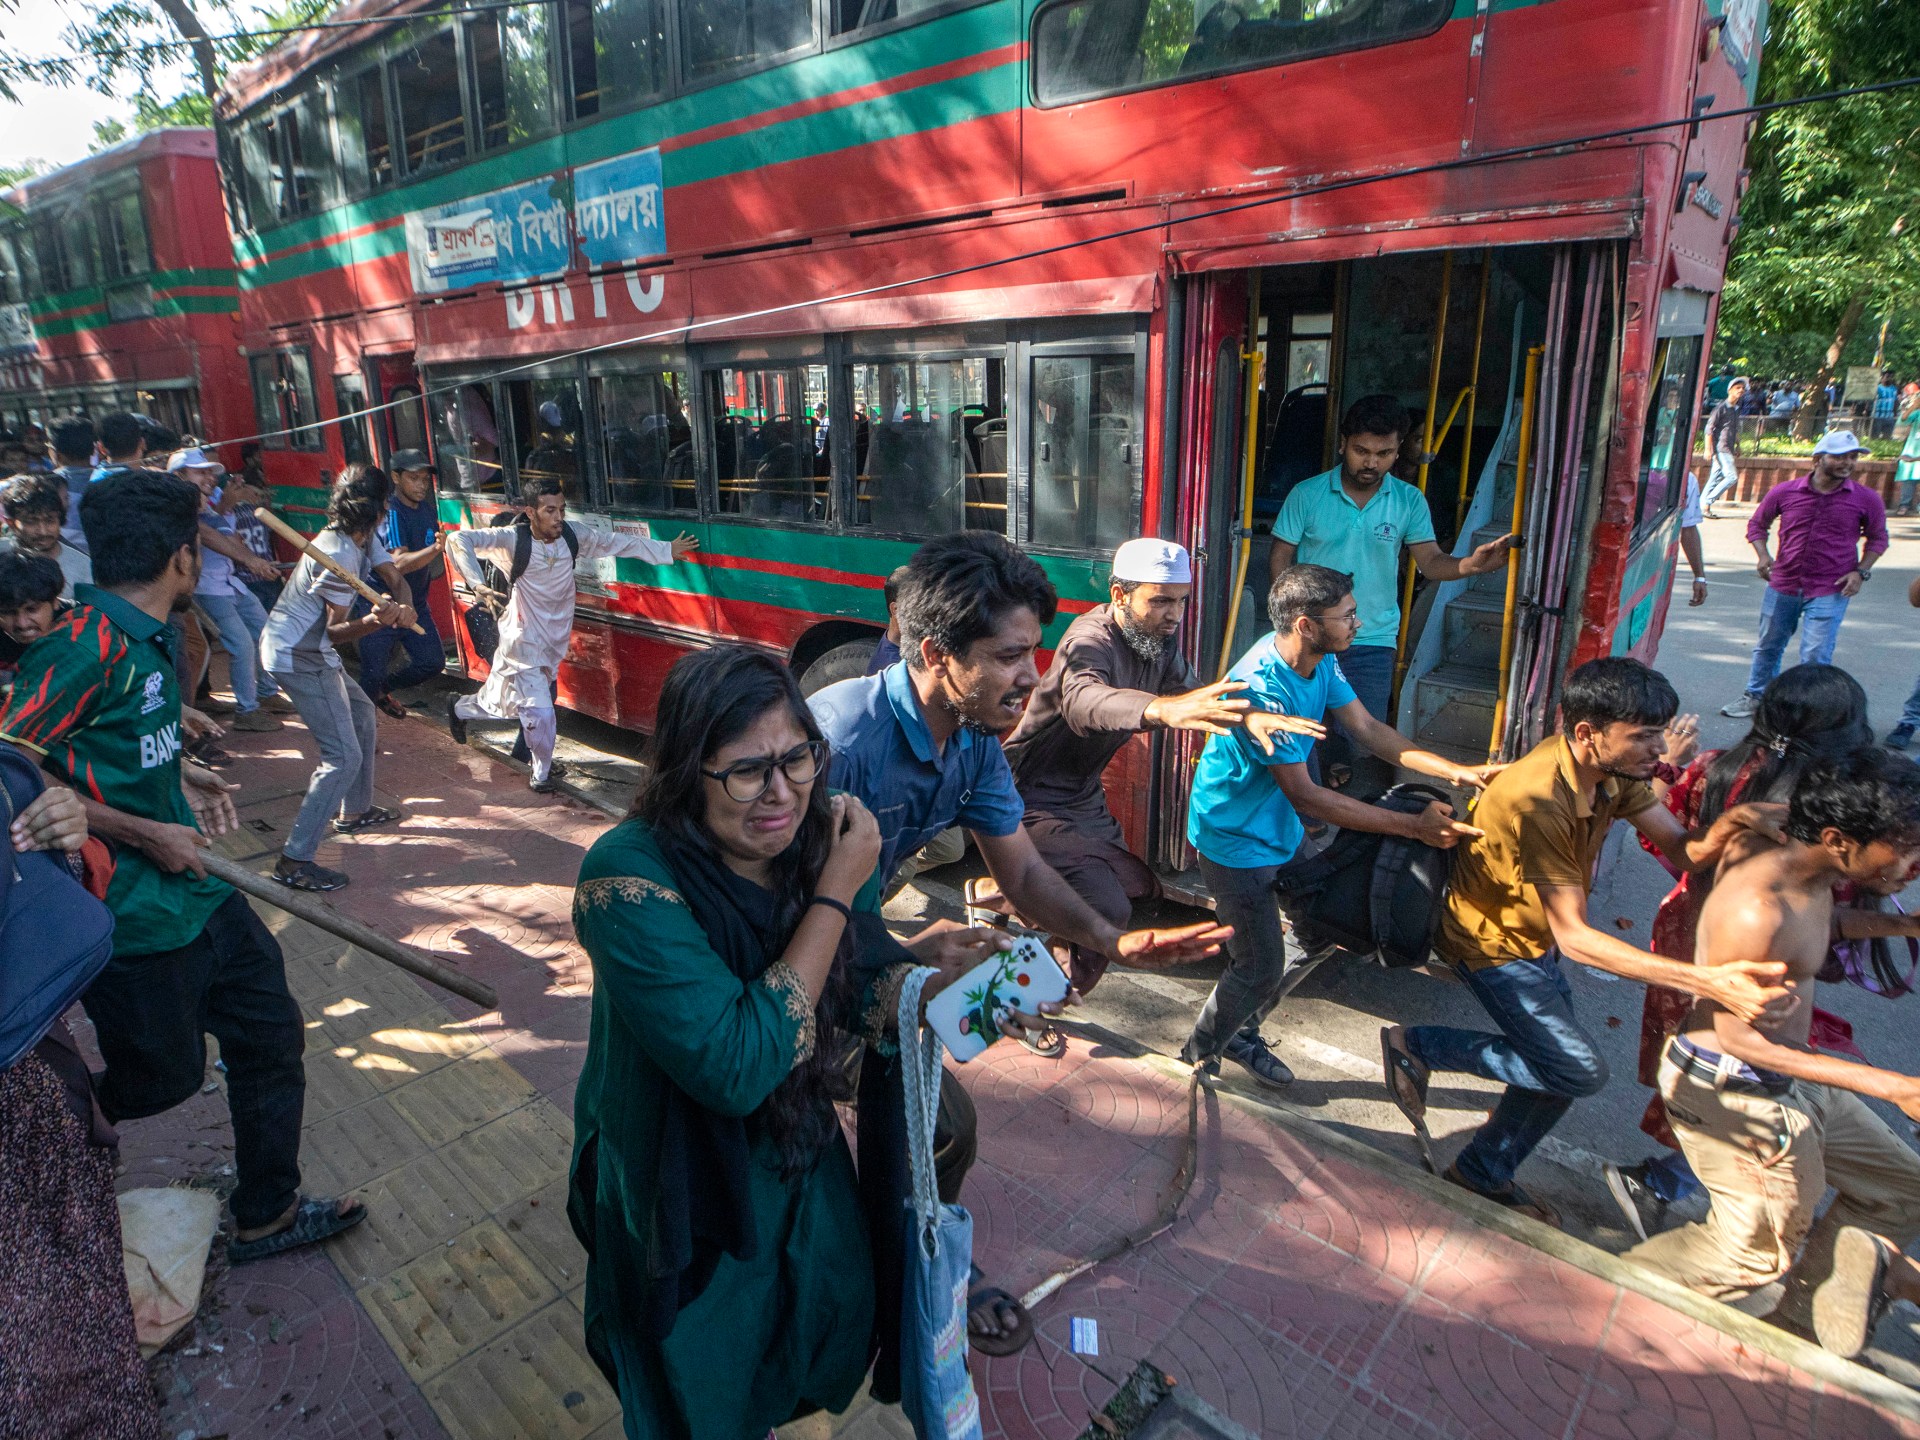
[1357, 518]
[919, 744]
[1244, 814]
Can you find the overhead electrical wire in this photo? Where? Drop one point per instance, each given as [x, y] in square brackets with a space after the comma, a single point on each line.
[1517, 152]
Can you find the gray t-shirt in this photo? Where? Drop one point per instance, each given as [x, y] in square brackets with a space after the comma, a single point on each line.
[296, 635]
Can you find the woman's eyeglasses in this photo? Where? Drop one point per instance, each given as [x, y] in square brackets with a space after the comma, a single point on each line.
[746, 781]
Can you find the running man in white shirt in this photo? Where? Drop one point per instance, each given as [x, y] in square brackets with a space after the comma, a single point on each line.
[538, 618]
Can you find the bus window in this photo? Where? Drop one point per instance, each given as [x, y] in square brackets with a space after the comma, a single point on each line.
[64, 244]
[309, 157]
[123, 236]
[466, 440]
[618, 51]
[283, 400]
[1663, 443]
[257, 172]
[350, 397]
[366, 145]
[1086, 442]
[770, 442]
[929, 446]
[720, 35]
[427, 79]
[1084, 48]
[16, 261]
[406, 423]
[510, 52]
[647, 440]
[851, 15]
[546, 429]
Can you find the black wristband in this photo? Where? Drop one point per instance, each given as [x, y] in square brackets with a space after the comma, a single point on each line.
[833, 904]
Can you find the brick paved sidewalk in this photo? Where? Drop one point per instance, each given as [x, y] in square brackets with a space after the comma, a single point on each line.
[1308, 1288]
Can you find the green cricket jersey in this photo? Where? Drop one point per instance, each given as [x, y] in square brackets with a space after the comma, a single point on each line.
[97, 699]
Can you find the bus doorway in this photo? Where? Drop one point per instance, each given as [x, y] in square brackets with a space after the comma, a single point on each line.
[1273, 357]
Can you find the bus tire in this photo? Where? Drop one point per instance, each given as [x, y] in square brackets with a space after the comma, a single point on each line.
[842, 662]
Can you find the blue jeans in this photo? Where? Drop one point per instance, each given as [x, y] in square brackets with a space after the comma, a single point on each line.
[426, 656]
[1369, 670]
[240, 620]
[1818, 620]
[1542, 1054]
[1670, 1178]
[1721, 477]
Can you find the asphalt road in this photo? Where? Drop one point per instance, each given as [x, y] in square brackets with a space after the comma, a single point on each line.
[1328, 1030]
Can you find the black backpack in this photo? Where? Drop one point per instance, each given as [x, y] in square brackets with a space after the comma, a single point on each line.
[1375, 895]
[482, 628]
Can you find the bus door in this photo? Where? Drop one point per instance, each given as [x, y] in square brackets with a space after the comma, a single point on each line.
[396, 384]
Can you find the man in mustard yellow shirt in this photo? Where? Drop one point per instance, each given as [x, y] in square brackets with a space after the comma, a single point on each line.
[1518, 903]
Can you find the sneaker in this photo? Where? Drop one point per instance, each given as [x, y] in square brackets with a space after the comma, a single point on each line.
[1849, 1304]
[1741, 709]
[213, 706]
[1266, 1067]
[456, 726]
[255, 720]
[1512, 1198]
[1646, 1212]
[1899, 737]
[277, 703]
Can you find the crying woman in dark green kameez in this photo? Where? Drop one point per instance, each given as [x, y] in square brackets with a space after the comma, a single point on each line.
[732, 923]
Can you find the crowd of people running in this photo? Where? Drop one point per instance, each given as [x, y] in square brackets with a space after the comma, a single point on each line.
[743, 1269]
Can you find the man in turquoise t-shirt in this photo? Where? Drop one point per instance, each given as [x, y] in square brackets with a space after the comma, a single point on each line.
[1357, 518]
[1249, 793]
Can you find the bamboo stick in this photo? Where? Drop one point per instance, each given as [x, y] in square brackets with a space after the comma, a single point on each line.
[306, 547]
[304, 905]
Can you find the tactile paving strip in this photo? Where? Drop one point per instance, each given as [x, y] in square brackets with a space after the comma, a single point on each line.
[451, 1101]
[409, 1211]
[510, 1158]
[536, 1380]
[539, 1226]
[438, 1308]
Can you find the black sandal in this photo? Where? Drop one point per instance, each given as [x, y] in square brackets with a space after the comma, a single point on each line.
[313, 1221]
[366, 820]
[305, 875]
[979, 1296]
[387, 705]
[1402, 1068]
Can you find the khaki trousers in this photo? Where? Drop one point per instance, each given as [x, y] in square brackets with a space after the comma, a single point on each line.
[1767, 1162]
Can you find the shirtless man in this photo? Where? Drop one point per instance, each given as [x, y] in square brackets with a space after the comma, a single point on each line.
[1766, 1121]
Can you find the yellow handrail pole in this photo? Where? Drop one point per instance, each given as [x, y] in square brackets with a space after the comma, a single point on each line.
[1426, 449]
[1473, 386]
[1255, 359]
[1528, 389]
[1440, 440]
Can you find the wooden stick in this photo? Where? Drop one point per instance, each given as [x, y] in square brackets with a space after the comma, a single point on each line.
[314, 912]
[306, 547]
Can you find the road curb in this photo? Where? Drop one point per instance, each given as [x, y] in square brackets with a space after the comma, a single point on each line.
[1857, 1380]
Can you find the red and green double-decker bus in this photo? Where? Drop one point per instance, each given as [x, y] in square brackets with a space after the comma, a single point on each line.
[816, 279]
[117, 290]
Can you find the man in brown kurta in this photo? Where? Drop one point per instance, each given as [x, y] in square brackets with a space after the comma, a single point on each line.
[1117, 672]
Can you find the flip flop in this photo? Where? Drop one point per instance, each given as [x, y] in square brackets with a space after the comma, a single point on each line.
[980, 1295]
[366, 820]
[1407, 1087]
[314, 1221]
[1049, 1044]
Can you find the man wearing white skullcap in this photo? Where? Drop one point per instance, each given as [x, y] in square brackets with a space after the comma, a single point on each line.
[1116, 673]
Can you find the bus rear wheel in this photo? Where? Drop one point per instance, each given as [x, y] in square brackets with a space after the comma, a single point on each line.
[842, 662]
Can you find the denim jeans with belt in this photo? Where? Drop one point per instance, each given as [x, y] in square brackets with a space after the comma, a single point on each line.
[1819, 622]
[1542, 1054]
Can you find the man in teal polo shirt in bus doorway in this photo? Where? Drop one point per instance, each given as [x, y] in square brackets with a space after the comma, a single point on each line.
[1356, 518]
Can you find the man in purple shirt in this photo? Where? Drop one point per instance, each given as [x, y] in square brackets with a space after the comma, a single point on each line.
[1821, 566]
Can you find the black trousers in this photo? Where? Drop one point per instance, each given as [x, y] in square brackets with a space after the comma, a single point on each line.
[152, 1014]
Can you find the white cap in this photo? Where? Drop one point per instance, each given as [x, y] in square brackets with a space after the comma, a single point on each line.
[1839, 442]
[1154, 562]
[195, 459]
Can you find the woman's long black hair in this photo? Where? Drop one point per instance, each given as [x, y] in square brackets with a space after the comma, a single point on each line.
[710, 699]
[1808, 714]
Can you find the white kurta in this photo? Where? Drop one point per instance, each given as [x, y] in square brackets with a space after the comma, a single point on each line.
[539, 619]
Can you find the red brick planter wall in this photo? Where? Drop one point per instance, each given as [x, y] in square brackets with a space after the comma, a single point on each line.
[1760, 473]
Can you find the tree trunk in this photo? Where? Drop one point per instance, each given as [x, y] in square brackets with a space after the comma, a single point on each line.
[191, 30]
[1843, 332]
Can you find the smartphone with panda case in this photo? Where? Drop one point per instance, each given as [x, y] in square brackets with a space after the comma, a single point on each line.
[967, 1014]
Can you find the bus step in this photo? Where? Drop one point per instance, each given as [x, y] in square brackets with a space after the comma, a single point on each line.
[1453, 705]
[1471, 634]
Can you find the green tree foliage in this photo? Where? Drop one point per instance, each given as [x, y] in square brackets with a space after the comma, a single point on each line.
[1829, 241]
